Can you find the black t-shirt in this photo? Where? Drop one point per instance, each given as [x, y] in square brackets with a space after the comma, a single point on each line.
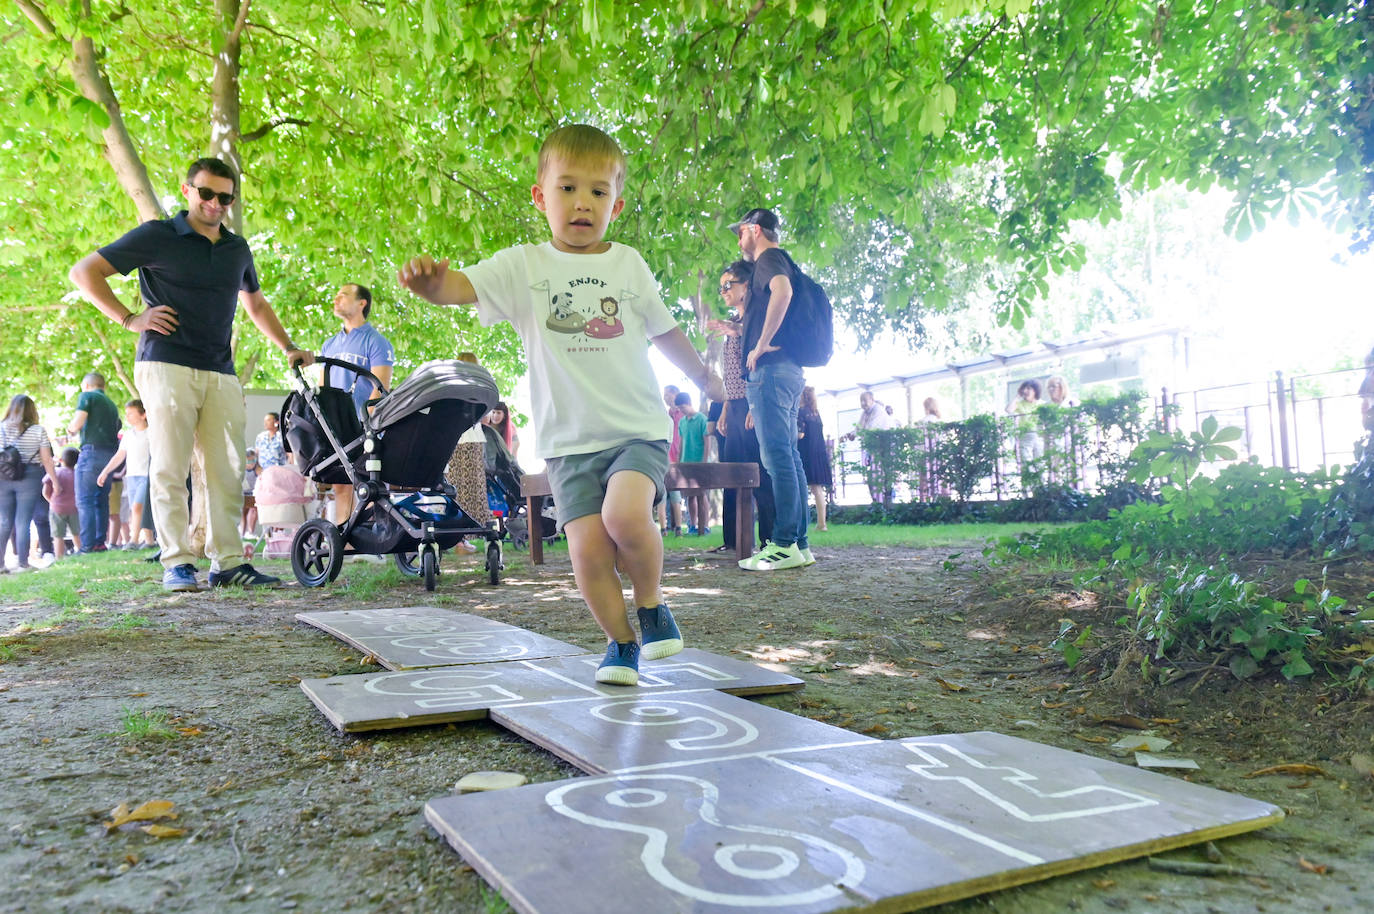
[199, 279]
[772, 262]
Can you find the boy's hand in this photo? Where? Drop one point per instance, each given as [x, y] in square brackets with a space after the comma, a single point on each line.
[423, 276]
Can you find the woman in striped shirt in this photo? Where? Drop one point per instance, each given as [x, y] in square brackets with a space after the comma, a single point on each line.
[19, 497]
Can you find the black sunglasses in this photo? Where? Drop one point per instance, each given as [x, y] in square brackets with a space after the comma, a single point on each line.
[207, 194]
[725, 286]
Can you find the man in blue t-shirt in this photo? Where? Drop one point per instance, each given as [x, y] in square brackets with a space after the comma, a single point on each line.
[358, 343]
[193, 273]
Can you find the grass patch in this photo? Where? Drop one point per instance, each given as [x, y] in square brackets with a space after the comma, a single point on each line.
[147, 723]
[6, 653]
[127, 622]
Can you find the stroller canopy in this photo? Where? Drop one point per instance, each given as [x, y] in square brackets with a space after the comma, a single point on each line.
[431, 383]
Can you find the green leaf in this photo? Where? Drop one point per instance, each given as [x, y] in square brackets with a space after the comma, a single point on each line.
[1243, 666]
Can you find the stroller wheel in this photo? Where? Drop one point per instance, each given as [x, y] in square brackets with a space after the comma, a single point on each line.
[429, 566]
[408, 563]
[317, 552]
[494, 565]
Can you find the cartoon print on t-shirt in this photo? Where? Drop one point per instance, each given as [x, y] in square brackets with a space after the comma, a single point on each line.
[609, 326]
[563, 319]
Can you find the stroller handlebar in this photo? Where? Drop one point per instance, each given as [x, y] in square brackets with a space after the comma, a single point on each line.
[338, 363]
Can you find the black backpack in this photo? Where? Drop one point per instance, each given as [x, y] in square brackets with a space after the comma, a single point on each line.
[11, 461]
[807, 333]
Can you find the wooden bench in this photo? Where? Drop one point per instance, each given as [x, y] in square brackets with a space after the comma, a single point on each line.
[682, 477]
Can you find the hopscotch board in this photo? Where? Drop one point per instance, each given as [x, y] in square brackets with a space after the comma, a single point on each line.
[377, 701]
[426, 636]
[704, 802]
[864, 826]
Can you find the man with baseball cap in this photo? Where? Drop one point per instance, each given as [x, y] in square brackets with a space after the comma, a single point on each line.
[773, 385]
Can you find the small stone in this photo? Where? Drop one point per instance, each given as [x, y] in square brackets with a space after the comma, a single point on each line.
[1025, 725]
[489, 780]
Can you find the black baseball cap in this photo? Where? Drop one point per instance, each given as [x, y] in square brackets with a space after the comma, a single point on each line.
[765, 219]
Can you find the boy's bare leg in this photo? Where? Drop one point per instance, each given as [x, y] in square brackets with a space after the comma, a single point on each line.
[628, 524]
[593, 555]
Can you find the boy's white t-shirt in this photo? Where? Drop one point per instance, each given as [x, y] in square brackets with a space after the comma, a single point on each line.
[585, 320]
[136, 451]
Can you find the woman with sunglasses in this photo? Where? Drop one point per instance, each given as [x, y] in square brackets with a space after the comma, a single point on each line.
[741, 443]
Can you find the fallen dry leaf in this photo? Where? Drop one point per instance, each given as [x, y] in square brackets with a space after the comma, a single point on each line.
[1129, 721]
[189, 731]
[876, 728]
[1298, 770]
[146, 812]
[950, 686]
[1051, 705]
[1165, 721]
[162, 831]
[1091, 739]
[1104, 883]
[1321, 869]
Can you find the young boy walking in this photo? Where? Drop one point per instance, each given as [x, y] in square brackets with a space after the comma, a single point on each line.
[603, 432]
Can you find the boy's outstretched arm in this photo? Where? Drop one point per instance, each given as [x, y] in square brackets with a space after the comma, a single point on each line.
[679, 350]
[435, 282]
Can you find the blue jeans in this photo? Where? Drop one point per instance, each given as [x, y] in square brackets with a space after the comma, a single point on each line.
[92, 500]
[774, 392]
[18, 498]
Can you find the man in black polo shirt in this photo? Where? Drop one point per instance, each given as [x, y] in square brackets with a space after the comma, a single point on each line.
[192, 274]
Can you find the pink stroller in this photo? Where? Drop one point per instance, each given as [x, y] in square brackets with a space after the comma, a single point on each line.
[284, 498]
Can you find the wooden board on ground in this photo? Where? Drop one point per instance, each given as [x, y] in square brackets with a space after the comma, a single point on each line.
[632, 729]
[376, 701]
[871, 826]
[418, 637]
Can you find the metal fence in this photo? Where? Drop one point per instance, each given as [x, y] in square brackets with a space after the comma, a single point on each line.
[1300, 422]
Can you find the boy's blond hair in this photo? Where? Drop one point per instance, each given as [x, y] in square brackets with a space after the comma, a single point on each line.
[582, 143]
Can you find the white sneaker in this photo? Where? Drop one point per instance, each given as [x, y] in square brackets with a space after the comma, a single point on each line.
[776, 559]
[748, 564]
[807, 557]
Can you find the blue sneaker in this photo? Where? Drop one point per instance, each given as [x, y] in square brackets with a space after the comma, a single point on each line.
[621, 666]
[180, 578]
[660, 633]
[244, 575]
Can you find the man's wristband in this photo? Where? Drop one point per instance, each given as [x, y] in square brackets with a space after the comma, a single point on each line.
[127, 319]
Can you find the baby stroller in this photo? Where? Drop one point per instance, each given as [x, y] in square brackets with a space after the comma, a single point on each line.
[394, 459]
[504, 495]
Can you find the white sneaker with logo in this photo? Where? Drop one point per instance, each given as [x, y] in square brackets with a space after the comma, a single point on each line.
[775, 558]
[807, 557]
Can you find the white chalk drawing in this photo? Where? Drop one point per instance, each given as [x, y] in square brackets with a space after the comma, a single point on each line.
[475, 646]
[654, 671]
[905, 809]
[706, 729]
[992, 783]
[445, 688]
[745, 856]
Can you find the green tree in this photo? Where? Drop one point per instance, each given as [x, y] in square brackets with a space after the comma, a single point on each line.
[925, 154]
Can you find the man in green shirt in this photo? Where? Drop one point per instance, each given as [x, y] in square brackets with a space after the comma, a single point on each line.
[97, 421]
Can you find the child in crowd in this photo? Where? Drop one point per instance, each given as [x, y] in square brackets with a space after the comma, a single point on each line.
[133, 455]
[62, 509]
[602, 430]
[692, 428]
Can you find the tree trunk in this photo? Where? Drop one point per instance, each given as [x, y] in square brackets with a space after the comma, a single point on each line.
[95, 86]
[225, 126]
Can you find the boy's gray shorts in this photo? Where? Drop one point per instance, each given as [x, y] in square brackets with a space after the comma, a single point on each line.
[579, 481]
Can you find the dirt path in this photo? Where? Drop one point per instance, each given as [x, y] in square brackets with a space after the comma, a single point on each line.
[281, 812]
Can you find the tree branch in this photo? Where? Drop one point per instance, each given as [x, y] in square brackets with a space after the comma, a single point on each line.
[271, 125]
[37, 17]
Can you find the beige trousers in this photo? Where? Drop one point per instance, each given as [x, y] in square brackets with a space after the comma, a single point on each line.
[201, 412]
